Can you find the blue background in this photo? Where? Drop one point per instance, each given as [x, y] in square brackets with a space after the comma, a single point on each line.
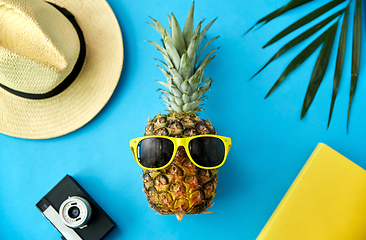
[270, 143]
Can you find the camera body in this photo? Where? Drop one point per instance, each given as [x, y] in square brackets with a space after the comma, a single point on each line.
[74, 213]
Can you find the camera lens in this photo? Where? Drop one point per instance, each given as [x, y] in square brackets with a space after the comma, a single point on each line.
[74, 212]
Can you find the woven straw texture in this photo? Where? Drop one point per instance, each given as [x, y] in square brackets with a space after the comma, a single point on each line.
[34, 55]
[87, 95]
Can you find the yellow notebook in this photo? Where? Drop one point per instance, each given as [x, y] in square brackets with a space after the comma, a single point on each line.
[327, 201]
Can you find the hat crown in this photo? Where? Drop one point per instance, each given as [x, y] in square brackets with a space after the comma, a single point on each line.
[38, 46]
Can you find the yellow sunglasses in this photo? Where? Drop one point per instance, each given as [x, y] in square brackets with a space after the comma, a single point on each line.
[157, 152]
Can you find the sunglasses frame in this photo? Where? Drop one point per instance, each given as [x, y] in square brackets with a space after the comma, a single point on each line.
[177, 143]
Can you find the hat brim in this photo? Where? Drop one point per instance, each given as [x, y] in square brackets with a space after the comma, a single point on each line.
[90, 91]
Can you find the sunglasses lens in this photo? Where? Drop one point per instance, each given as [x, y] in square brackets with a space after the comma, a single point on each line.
[155, 152]
[207, 151]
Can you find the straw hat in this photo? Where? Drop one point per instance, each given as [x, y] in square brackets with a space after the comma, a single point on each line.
[60, 62]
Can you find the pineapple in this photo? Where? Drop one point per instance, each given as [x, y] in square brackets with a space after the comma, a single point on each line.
[181, 188]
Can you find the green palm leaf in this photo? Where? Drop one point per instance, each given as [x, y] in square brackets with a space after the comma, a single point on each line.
[319, 69]
[302, 57]
[301, 38]
[327, 38]
[308, 18]
[291, 5]
[356, 52]
[339, 63]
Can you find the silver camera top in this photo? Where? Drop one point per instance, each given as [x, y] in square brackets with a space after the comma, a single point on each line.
[75, 212]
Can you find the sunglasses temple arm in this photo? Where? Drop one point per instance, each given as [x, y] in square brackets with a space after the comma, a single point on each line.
[133, 152]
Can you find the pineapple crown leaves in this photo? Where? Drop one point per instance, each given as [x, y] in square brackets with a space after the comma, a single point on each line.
[185, 84]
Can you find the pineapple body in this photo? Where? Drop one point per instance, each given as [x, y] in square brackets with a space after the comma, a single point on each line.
[181, 188]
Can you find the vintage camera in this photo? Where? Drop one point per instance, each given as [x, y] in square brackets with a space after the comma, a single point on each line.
[74, 213]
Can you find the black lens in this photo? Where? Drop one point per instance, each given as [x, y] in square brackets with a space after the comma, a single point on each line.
[74, 212]
[207, 151]
[155, 152]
